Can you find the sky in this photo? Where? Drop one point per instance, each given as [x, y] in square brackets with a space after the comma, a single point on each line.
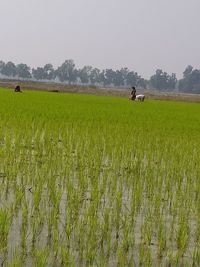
[143, 35]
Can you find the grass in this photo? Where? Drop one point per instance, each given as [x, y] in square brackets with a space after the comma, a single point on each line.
[98, 181]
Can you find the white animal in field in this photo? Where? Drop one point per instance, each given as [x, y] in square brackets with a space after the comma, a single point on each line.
[140, 98]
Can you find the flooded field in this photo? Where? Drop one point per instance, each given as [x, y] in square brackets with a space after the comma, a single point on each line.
[98, 181]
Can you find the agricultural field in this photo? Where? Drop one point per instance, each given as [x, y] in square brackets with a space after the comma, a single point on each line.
[91, 180]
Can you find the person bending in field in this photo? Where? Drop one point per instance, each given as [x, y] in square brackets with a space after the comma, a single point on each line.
[18, 89]
[133, 94]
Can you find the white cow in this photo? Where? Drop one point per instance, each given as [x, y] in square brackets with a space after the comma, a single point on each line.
[140, 98]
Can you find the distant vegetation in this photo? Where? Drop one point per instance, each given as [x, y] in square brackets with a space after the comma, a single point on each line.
[68, 73]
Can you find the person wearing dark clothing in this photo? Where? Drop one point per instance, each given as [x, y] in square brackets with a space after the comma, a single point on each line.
[18, 89]
[133, 93]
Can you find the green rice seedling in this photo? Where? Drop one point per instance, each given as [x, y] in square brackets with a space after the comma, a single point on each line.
[145, 258]
[173, 259]
[24, 228]
[161, 239]
[81, 241]
[65, 256]
[5, 222]
[52, 223]
[37, 198]
[36, 228]
[182, 237]
[19, 195]
[40, 257]
[16, 260]
[125, 246]
[105, 225]
[197, 232]
[122, 259]
[196, 257]
[146, 231]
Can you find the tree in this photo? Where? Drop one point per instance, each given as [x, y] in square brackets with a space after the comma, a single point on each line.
[9, 69]
[84, 74]
[172, 81]
[67, 72]
[124, 72]
[162, 81]
[95, 76]
[2, 66]
[187, 71]
[142, 82]
[119, 78]
[23, 71]
[132, 79]
[191, 80]
[102, 77]
[44, 73]
[110, 76]
[39, 73]
[49, 72]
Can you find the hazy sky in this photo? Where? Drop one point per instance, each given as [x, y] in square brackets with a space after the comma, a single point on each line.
[142, 35]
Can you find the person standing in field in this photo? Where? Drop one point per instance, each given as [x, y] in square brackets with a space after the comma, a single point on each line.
[133, 93]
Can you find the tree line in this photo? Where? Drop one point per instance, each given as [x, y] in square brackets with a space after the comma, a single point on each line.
[68, 73]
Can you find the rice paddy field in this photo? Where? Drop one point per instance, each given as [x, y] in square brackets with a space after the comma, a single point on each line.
[98, 181]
